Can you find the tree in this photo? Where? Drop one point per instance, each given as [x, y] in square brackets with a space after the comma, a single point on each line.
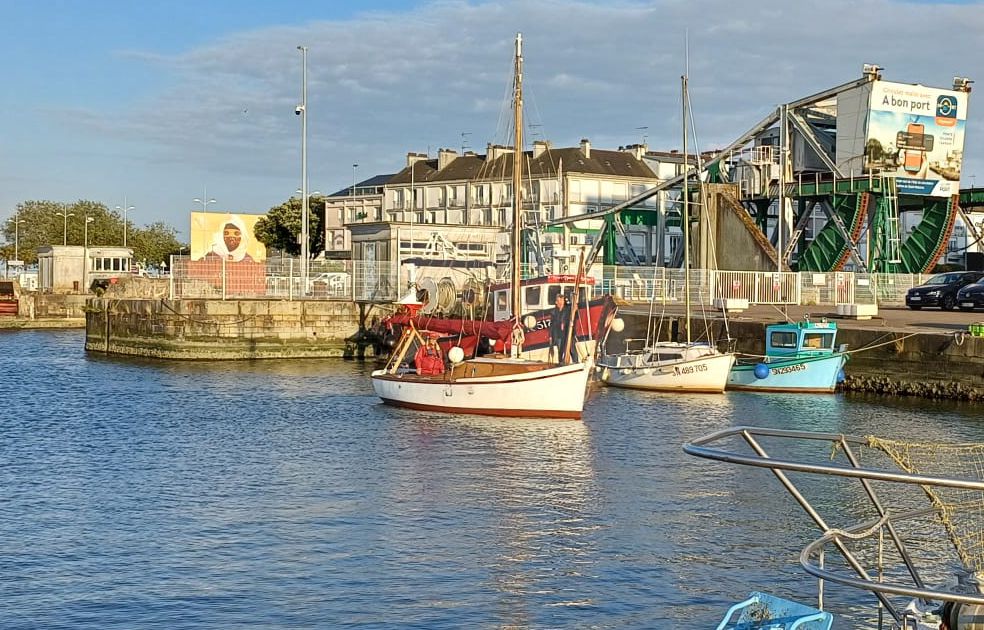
[281, 227]
[55, 223]
[154, 244]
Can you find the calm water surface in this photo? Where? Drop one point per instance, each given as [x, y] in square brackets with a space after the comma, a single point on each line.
[142, 494]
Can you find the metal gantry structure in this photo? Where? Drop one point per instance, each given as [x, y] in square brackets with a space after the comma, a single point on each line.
[859, 215]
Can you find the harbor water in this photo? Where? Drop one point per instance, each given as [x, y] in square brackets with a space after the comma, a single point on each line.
[282, 494]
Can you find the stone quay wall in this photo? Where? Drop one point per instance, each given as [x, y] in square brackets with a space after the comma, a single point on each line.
[931, 365]
[221, 329]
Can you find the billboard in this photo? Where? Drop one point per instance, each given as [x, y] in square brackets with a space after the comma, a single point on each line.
[917, 134]
[225, 236]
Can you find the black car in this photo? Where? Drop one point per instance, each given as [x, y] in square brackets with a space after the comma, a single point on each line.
[941, 290]
[971, 296]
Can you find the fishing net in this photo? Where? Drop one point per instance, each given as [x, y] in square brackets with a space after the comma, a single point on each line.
[960, 510]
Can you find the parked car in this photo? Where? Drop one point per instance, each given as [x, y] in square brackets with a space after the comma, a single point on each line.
[971, 296]
[941, 290]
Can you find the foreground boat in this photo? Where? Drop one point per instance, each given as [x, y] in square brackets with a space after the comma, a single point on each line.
[799, 357]
[496, 385]
[898, 548]
[491, 386]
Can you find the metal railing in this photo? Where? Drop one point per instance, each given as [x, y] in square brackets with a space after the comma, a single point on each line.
[382, 281]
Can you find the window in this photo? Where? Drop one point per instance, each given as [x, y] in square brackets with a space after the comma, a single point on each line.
[818, 341]
[575, 190]
[533, 296]
[502, 300]
[783, 339]
[552, 293]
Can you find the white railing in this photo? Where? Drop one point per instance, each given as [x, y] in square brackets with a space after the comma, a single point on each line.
[645, 284]
[380, 281]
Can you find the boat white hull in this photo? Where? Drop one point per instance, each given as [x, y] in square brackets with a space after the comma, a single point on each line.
[702, 371]
[556, 391]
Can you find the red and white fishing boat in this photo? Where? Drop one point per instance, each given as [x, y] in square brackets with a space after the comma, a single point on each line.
[497, 385]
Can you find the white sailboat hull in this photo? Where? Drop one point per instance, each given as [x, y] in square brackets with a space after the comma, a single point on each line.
[479, 386]
[698, 368]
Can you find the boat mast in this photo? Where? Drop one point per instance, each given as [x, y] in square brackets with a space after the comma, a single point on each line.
[517, 176]
[685, 222]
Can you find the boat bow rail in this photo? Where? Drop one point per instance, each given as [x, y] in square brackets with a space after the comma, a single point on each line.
[957, 502]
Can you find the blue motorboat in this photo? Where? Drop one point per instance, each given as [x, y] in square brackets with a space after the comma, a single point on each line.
[799, 357]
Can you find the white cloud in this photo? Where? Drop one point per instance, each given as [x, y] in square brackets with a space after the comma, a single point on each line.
[385, 83]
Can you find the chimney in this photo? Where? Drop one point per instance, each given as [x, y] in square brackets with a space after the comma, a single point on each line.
[586, 147]
[495, 151]
[539, 148]
[413, 158]
[445, 157]
[638, 151]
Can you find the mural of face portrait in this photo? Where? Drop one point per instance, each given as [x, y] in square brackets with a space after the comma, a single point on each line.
[230, 242]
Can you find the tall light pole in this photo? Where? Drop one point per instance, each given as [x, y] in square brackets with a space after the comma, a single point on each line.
[354, 166]
[85, 254]
[204, 201]
[124, 208]
[17, 223]
[65, 215]
[301, 111]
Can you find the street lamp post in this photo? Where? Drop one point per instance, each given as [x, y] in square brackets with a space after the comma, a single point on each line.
[301, 110]
[85, 254]
[124, 208]
[65, 215]
[204, 201]
[17, 223]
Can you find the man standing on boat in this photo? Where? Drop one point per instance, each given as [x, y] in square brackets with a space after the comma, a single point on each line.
[560, 323]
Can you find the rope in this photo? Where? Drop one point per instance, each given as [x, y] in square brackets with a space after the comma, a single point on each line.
[840, 533]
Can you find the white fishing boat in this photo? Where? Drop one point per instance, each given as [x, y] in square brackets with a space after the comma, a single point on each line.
[491, 385]
[672, 366]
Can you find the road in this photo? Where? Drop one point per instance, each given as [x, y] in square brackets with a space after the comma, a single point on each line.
[889, 317]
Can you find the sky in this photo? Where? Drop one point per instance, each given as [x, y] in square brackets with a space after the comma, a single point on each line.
[156, 104]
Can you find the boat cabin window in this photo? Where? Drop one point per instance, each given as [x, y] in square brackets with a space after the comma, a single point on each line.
[783, 339]
[818, 341]
[552, 292]
[533, 296]
[501, 300]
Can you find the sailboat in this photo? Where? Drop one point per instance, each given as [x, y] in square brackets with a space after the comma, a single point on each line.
[669, 365]
[496, 385]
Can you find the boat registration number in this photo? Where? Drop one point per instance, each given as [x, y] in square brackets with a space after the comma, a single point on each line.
[788, 369]
[915, 298]
[967, 305]
[692, 369]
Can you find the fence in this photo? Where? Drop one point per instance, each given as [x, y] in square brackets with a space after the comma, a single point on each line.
[381, 281]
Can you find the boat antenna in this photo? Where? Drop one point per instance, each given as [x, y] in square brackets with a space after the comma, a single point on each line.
[517, 176]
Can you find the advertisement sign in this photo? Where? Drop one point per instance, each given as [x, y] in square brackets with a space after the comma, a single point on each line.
[225, 236]
[917, 134]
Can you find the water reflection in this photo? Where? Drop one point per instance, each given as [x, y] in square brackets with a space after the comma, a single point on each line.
[534, 499]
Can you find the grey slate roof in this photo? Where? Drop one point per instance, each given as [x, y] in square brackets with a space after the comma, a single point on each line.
[571, 160]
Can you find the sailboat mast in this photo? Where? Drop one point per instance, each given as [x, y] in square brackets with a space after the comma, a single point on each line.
[685, 220]
[517, 176]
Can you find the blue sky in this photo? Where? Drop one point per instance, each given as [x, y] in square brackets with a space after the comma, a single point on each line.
[157, 102]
